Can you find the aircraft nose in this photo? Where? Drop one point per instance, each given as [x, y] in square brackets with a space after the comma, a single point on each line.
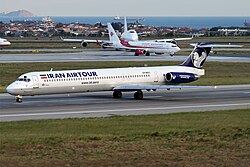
[10, 89]
[178, 49]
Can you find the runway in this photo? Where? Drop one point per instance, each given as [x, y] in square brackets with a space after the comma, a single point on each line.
[102, 104]
[110, 55]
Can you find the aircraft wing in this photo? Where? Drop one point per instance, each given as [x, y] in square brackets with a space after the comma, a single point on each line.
[211, 45]
[155, 87]
[85, 40]
[173, 39]
[116, 47]
[169, 40]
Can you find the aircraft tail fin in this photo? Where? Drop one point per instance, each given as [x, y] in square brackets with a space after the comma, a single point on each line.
[200, 53]
[112, 34]
[125, 25]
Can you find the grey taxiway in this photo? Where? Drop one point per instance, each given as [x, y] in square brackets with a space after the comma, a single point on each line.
[110, 55]
[101, 104]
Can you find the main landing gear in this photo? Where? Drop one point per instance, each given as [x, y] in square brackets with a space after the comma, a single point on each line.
[19, 99]
[117, 94]
[138, 95]
[147, 54]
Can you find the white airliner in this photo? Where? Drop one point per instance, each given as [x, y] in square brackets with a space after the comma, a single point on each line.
[141, 47]
[117, 80]
[4, 42]
[128, 35]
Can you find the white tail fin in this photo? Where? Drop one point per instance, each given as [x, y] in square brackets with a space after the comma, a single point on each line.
[125, 25]
[112, 34]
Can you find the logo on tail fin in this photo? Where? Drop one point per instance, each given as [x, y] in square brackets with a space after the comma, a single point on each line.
[198, 57]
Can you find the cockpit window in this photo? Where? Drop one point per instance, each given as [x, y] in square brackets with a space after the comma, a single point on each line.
[23, 79]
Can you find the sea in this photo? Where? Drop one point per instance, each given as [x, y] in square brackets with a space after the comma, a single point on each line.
[190, 22]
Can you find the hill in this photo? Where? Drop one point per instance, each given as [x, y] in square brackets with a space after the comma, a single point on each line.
[19, 13]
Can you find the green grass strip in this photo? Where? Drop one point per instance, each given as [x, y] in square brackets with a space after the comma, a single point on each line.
[219, 138]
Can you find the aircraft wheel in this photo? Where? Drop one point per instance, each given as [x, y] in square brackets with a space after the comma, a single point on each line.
[147, 54]
[117, 94]
[136, 54]
[138, 95]
[19, 100]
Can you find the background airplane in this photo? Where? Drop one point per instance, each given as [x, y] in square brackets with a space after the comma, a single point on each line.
[127, 35]
[4, 42]
[130, 35]
[117, 80]
[141, 47]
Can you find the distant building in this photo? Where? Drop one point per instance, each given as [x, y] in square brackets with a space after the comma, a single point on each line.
[232, 32]
[47, 19]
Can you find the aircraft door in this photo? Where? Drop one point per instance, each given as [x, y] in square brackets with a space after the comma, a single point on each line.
[35, 81]
[155, 76]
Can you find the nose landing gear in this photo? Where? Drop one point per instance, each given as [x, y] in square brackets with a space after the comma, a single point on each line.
[19, 99]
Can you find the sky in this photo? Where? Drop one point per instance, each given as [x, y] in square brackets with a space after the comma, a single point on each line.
[129, 7]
